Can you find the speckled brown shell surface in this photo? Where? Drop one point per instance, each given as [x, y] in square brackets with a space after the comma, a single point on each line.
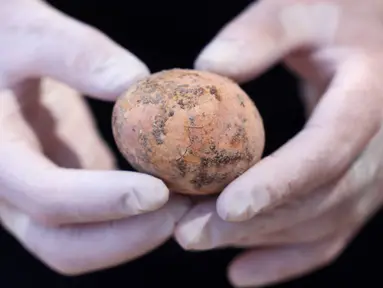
[197, 131]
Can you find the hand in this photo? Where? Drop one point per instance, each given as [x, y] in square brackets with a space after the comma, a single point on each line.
[58, 194]
[306, 201]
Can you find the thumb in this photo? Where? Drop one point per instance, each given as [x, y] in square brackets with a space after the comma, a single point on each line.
[49, 43]
[266, 32]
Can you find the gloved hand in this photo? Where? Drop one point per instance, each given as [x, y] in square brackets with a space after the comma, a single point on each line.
[58, 194]
[306, 201]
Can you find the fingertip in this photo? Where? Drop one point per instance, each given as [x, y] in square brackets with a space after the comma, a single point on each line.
[238, 273]
[192, 232]
[248, 45]
[231, 207]
[111, 78]
[188, 237]
[248, 195]
[149, 194]
[225, 57]
[82, 56]
[258, 268]
[241, 202]
[233, 276]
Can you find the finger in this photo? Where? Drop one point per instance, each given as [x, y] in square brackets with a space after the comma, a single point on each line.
[79, 249]
[45, 42]
[312, 230]
[203, 229]
[338, 131]
[302, 219]
[266, 32]
[270, 266]
[57, 196]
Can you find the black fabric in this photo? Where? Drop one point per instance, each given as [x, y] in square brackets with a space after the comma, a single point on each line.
[167, 34]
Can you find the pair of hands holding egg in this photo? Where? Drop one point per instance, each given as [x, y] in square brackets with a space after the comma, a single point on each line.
[61, 198]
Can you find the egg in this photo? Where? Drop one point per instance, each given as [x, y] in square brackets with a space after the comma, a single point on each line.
[195, 130]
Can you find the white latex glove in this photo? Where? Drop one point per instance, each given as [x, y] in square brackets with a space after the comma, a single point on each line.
[58, 194]
[307, 200]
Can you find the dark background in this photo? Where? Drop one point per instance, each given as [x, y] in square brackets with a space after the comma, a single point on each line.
[168, 34]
